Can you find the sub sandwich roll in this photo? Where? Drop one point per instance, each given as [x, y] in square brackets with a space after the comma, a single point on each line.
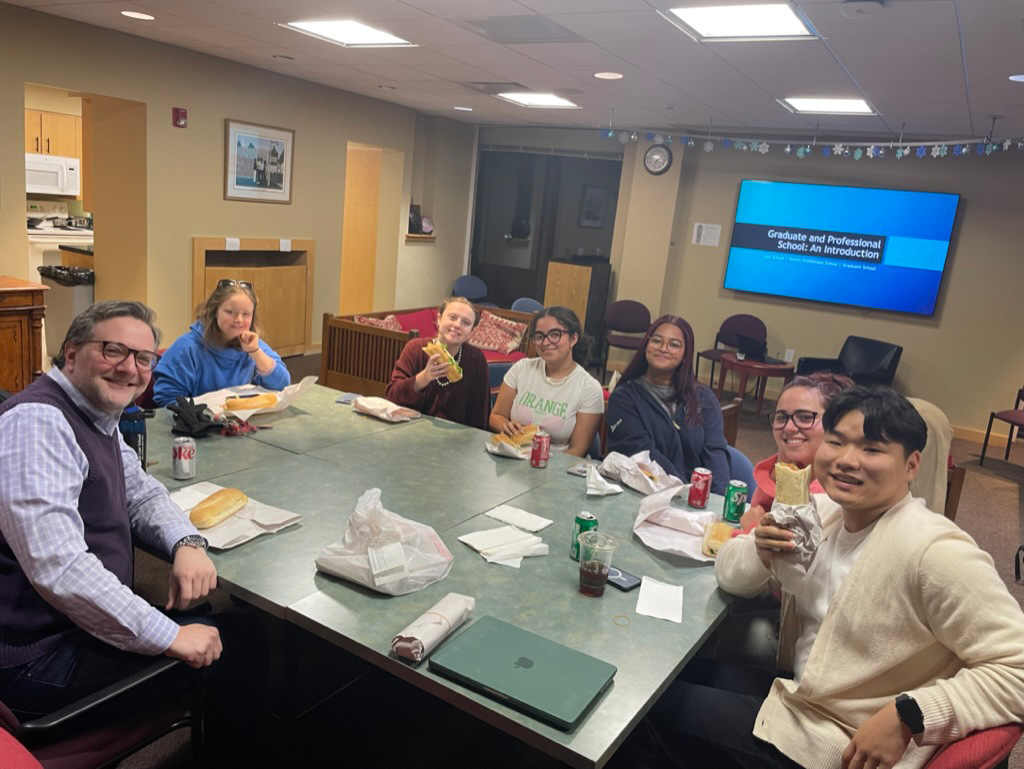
[217, 507]
[525, 438]
[716, 534]
[792, 484]
[435, 347]
[261, 401]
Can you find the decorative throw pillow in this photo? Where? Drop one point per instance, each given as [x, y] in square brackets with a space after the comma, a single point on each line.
[497, 333]
[390, 322]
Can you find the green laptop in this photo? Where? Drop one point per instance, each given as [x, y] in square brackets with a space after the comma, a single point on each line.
[524, 670]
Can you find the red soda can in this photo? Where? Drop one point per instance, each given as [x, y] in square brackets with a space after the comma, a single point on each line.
[183, 458]
[700, 488]
[540, 450]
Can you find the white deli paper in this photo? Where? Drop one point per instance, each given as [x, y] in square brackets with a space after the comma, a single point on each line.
[433, 626]
[639, 472]
[248, 523]
[519, 518]
[598, 486]
[214, 400]
[384, 409]
[670, 529]
[502, 449]
[660, 600]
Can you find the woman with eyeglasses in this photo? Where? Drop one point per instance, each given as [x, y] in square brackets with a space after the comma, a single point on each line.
[420, 381]
[796, 427]
[659, 407]
[553, 390]
[221, 349]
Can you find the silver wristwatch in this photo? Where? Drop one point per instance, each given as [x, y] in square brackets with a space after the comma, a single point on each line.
[192, 540]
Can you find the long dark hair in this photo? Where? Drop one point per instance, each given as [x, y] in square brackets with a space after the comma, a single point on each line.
[683, 383]
[567, 319]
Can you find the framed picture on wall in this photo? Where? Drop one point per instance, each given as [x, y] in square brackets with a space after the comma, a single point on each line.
[258, 162]
[593, 206]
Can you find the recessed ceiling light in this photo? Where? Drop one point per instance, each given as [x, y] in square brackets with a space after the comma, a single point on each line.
[138, 15]
[608, 75]
[463, 109]
[348, 33]
[1017, 78]
[740, 22]
[828, 106]
[538, 100]
[283, 57]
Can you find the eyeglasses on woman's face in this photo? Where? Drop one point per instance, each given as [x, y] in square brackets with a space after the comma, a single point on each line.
[554, 336]
[802, 419]
[226, 282]
[657, 342]
[117, 353]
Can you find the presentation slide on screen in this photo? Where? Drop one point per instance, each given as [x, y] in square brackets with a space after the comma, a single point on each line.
[884, 249]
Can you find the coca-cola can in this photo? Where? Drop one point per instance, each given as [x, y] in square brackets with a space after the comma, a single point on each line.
[183, 458]
[540, 450]
[700, 488]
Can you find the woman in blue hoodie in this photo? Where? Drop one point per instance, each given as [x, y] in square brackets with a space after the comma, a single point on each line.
[221, 349]
[659, 407]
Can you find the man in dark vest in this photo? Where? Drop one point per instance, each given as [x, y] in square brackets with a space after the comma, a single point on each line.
[72, 496]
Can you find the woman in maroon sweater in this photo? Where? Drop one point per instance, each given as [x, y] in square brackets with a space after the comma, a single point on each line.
[420, 381]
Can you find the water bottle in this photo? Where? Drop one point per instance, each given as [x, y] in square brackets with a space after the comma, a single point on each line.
[133, 428]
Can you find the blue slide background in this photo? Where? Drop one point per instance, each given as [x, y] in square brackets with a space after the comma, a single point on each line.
[918, 226]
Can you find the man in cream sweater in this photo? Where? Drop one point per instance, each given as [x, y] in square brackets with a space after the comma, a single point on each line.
[900, 638]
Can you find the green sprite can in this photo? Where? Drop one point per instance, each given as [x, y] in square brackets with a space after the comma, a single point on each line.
[735, 501]
[584, 522]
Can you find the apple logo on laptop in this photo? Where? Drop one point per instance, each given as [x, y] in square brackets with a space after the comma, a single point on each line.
[523, 662]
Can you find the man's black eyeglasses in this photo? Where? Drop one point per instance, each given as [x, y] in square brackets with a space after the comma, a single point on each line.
[117, 353]
[802, 419]
[225, 282]
[554, 336]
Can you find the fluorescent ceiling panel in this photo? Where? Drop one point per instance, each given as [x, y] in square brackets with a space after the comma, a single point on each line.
[538, 100]
[829, 106]
[740, 22]
[348, 33]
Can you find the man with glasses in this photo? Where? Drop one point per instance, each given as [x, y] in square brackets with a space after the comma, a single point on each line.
[72, 498]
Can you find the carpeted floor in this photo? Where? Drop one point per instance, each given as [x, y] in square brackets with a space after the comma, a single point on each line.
[990, 511]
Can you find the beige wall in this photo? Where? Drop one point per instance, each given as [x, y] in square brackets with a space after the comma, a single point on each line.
[426, 271]
[186, 167]
[967, 358]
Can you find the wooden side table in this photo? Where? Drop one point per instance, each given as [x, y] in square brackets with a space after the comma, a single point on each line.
[746, 368]
[21, 332]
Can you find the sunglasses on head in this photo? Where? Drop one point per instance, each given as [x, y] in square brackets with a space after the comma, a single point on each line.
[226, 282]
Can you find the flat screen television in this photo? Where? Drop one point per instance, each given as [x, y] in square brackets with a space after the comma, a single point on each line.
[859, 246]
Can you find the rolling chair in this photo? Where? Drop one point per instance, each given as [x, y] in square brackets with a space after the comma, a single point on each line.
[865, 361]
[526, 304]
[78, 736]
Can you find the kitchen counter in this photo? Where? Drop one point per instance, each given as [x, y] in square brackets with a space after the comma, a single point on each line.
[76, 256]
[87, 250]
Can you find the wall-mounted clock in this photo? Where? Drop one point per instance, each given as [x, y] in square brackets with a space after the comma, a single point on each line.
[657, 159]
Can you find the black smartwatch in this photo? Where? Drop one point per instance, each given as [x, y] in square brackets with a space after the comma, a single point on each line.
[197, 541]
[910, 713]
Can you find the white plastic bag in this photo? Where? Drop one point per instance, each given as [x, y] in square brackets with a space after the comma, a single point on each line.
[386, 552]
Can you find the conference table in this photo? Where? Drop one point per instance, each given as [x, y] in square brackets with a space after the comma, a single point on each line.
[320, 457]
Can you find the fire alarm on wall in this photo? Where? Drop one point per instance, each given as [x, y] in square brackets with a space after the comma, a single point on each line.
[179, 117]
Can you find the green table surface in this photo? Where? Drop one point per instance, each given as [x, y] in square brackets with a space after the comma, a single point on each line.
[542, 596]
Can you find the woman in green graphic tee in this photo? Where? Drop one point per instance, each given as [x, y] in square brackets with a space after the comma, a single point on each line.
[552, 390]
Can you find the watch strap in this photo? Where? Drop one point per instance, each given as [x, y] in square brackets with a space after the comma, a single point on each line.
[197, 541]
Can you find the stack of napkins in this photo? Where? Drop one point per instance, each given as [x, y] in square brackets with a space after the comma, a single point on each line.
[506, 545]
[519, 518]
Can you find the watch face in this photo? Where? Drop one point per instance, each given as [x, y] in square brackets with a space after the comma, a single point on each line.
[658, 159]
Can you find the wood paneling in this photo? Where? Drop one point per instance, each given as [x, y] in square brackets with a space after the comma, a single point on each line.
[359, 235]
[568, 285]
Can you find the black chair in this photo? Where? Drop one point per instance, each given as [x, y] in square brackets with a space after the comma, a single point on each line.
[80, 736]
[728, 333]
[865, 361]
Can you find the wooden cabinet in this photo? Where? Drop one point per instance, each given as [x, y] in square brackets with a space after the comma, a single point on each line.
[51, 133]
[282, 280]
[21, 333]
[582, 287]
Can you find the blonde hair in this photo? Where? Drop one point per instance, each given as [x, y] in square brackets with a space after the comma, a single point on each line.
[206, 313]
[464, 300]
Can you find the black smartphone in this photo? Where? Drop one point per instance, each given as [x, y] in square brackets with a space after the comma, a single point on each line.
[622, 579]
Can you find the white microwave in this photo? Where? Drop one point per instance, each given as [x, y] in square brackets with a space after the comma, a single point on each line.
[52, 175]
